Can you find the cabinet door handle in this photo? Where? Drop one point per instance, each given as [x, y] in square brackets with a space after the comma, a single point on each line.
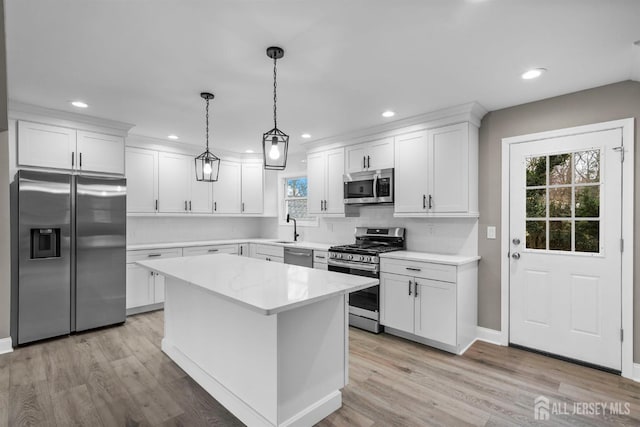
[153, 255]
[151, 273]
[80, 160]
[364, 162]
[156, 205]
[368, 162]
[189, 204]
[213, 250]
[215, 206]
[319, 256]
[242, 206]
[185, 205]
[415, 289]
[73, 159]
[240, 249]
[409, 287]
[321, 205]
[413, 269]
[430, 201]
[424, 201]
[268, 259]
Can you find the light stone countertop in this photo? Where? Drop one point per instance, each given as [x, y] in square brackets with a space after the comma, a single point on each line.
[430, 257]
[275, 242]
[265, 287]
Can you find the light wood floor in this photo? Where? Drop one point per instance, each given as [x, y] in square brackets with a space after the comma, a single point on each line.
[119, 377]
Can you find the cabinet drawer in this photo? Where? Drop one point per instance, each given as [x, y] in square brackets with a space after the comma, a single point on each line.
[270, 258]
[320, 257]
[424, 270]
[211, 249]
[274, 251]
[133, 256]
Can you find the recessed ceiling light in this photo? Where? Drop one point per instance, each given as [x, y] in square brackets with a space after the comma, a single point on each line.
[173, 136]
[306, 135]
[79, 104]
[533, 73]
[388, 113]
[249, 151]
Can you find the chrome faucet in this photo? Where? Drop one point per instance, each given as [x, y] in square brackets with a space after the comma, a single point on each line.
[295, 228]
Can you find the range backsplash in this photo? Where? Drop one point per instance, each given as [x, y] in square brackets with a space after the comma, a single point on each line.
[457, 236]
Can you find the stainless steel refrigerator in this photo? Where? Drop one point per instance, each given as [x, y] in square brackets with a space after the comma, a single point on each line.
[69, 254]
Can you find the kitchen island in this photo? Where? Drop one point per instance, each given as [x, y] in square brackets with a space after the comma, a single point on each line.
[268, 341]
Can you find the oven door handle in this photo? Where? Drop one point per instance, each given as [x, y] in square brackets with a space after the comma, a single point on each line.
[375, 186]
[354, 265]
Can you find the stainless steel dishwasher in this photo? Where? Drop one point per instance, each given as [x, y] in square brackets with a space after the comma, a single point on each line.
[298, 256]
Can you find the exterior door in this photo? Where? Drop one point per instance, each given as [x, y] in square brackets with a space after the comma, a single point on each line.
[565, 246]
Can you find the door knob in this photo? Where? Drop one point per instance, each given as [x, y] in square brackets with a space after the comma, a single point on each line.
[516, 241]
[515, 255]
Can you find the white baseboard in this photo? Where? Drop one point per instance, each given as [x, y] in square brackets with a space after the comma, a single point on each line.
[636, 372]
[6, 345]
[489, 335]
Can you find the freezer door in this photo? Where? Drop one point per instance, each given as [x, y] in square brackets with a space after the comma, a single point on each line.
[100, 252]
[44, 256]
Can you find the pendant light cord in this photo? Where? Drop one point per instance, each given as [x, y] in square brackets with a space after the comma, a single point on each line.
[207, 124]
[275, 96]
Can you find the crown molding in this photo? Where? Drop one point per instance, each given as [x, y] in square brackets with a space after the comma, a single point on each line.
[148, 142]
[22, 111]
[471, 112]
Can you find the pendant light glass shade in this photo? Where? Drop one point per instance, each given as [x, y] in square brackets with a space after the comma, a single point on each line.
[275, 143]
[207, 163]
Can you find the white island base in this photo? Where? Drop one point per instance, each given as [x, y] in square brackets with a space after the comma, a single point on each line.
[283, 369]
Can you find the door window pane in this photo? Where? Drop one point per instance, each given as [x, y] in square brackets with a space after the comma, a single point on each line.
[536, 171]
[560, 169]
[560, 202]
[560, 235]
[536, 203]
[587, 166]
[566, 192]
[588, 201]
[536, 235]
[587, 236]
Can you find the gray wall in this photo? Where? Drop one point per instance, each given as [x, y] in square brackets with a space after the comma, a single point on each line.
[5, 255]
[601, 104]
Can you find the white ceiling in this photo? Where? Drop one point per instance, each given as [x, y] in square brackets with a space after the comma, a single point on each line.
[146, 61]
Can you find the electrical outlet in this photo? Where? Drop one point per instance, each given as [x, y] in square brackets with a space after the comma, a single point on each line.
[491, 232]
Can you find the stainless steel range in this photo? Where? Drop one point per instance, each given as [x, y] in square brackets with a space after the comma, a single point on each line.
[362, 259]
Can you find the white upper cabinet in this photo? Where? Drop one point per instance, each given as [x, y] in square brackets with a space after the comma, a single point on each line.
[410, 174]
[316, 181]
[252, 185]
[201, 197]
[436, 172]
[100, 153]
[370, 156]
[47, 146]
[449, 186]
[173, 184]
[226, 191]
[142, 180]
[325, 184]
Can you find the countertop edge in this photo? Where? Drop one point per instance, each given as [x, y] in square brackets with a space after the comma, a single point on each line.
[191, 244]
[456, 260]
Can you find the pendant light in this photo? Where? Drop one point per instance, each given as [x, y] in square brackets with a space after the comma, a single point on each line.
[275, 143]
[207, 164]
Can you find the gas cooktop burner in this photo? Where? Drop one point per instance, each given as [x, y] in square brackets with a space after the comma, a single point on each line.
[364, 249]
[370, 242]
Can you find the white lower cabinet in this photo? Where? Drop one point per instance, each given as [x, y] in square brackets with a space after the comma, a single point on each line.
[145, 289]
[431, 303]
[211, 249]
[266, 252]
[320, 260]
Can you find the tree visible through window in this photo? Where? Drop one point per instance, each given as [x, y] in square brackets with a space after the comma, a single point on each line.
[295, 198]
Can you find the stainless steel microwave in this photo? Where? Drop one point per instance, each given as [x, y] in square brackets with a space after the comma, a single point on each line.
[368, 187]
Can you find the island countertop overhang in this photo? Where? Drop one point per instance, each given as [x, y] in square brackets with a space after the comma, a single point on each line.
[265, 287]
